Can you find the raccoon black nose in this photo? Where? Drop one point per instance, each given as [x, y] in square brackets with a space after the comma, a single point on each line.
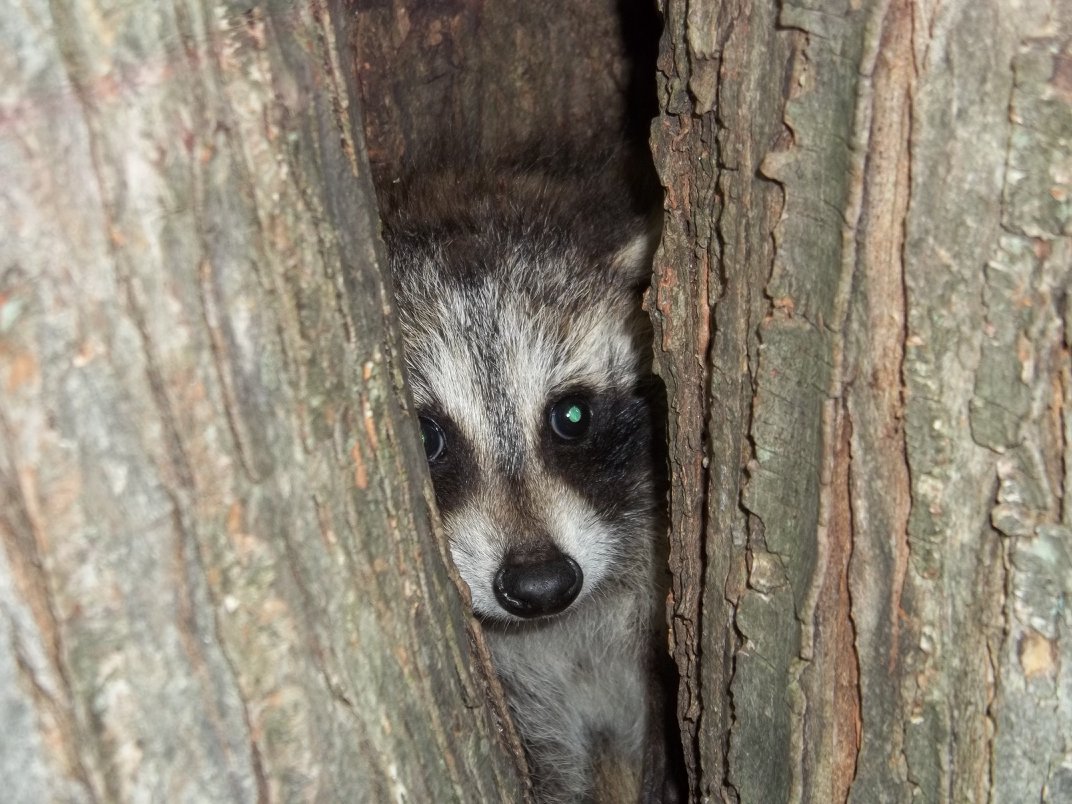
[538, 588]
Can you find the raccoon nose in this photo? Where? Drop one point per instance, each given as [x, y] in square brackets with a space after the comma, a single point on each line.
[538, 588]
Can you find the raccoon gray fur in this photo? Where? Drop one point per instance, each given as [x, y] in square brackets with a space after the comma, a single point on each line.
[519, 287]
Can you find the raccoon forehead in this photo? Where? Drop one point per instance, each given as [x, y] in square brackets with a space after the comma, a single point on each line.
[478, 353]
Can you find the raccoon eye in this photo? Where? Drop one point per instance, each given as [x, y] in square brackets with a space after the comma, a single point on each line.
[433, 439]
[570, 417]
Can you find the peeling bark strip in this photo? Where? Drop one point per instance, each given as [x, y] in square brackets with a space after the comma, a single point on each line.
[863, 288]
[215, 581]
[709, 279]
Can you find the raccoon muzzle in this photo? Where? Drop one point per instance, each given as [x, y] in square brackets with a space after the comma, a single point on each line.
[538, 588]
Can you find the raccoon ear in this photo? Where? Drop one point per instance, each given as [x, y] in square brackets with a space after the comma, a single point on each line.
[630, 263]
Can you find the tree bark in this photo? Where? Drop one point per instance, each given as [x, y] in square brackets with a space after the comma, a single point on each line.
[862, 300]
[480, 77]
[218, 579]
[218, 575]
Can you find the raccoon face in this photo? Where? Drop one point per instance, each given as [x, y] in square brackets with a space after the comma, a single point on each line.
[537, 427]
[529, 360]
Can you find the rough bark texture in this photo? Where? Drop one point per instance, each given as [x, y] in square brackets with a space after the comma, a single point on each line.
[862, 295]
[217, 581]
[480, 76]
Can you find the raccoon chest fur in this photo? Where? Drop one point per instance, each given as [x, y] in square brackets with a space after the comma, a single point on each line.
[519, 289]
[579, 694]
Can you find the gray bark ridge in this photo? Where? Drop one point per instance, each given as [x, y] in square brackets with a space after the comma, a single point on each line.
[218, 576]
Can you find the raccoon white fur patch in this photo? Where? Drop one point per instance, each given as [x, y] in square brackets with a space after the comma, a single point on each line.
[529, 359]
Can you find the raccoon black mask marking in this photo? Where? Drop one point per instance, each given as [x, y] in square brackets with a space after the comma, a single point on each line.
[519, 289]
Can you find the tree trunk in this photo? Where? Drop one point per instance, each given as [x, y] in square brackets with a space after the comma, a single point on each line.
[481, 77]
[861, 299]
[218, 575]
[218, 579]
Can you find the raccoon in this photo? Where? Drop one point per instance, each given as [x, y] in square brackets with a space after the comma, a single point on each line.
[519, 290]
